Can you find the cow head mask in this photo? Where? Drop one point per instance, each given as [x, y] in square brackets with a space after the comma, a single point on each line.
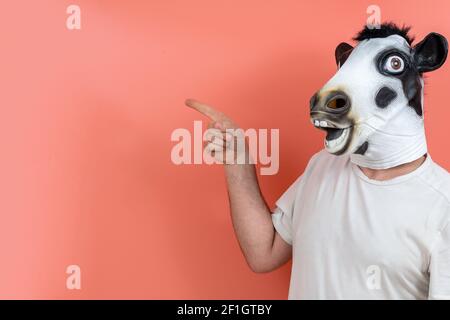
[372, 108]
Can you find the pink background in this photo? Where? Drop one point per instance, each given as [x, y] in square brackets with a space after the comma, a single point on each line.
[86, 119]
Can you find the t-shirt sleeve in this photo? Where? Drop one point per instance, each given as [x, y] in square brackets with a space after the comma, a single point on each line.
[282, 214]
[440, 266]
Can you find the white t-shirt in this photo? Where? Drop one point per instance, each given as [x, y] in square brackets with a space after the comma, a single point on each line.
[357, 238]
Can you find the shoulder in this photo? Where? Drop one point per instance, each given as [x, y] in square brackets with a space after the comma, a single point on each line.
[438, 179]
[323, 161]
[321, 166]
[318, 165]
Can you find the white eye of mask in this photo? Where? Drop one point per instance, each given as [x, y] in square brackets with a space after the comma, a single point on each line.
[394, 64]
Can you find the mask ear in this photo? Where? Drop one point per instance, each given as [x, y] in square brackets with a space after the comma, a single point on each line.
[431, 53]
[342, 52]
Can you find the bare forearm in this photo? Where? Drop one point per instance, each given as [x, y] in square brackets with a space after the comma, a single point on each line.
[250, 215]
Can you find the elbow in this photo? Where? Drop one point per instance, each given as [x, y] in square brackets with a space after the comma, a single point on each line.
[259, 266]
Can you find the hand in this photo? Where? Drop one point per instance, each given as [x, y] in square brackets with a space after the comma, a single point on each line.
[225, 142]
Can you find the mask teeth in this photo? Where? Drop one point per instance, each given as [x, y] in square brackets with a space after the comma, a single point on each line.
[321, 123]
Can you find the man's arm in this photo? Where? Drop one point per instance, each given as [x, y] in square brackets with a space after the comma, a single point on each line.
[262, 246]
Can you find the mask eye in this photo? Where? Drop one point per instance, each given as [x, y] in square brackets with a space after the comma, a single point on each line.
[394, 64]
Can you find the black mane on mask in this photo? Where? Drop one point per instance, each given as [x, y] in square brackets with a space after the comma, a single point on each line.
[385, 30]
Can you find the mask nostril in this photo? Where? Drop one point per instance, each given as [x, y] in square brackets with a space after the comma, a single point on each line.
[337, 103]
[313, 101]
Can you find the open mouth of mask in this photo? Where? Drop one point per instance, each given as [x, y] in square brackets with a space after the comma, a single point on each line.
[337, 139]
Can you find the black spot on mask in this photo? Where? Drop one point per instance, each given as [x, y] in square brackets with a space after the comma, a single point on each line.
[384, 97]
[362, 148]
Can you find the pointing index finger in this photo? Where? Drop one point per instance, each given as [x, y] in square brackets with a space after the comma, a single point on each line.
[204, 109]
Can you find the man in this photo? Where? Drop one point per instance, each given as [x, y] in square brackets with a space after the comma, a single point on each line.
[369, 217]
